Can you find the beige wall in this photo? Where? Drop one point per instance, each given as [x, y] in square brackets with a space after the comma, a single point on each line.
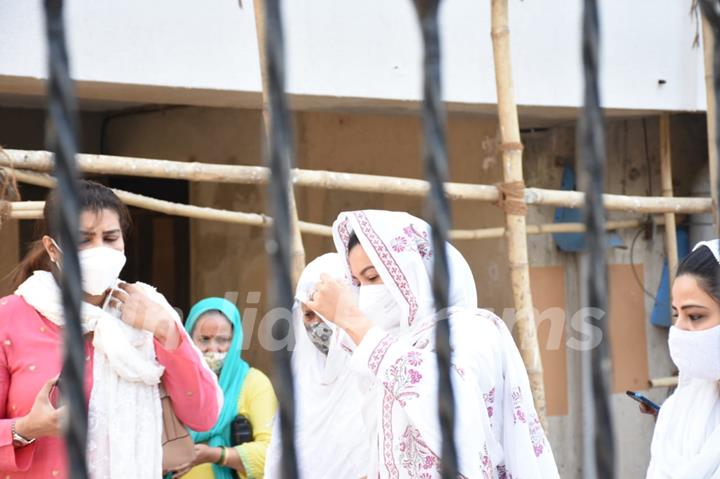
[231, 258]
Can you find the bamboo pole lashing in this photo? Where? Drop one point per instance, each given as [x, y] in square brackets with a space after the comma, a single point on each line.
[515, 217]
[241, 174]
[667, 191]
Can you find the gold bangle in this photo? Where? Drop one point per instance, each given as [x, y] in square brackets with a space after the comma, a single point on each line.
[225, 456]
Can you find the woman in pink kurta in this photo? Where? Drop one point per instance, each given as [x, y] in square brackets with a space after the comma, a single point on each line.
[31, 359]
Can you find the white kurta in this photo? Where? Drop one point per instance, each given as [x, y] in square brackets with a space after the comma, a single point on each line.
[497, 431]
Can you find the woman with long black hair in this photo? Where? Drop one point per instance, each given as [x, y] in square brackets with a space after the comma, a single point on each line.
[134, 343]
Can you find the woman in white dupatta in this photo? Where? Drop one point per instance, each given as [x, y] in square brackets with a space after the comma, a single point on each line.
[497, 432]
[686, 442]
[330, 436]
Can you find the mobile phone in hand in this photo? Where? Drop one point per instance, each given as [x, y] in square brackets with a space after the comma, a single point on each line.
[643, 400]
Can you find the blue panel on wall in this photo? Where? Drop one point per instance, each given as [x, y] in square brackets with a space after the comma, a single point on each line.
[575, 242]
[661, 314]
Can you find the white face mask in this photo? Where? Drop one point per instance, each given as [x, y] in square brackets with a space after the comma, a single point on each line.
[696, 353]
[378, 304]
[100, 268]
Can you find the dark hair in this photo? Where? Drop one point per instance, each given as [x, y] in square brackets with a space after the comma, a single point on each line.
[703, 265]
[92, 197]
[352, 242]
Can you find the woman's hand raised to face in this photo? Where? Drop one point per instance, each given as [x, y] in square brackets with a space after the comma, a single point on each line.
[141, 312]
[336, 302]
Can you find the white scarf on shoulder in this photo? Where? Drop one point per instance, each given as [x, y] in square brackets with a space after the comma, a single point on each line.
[125, 415]
[497, 432]
[686, 442]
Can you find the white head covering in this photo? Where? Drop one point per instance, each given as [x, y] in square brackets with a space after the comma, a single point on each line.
[401, 243]
[330, 436]
[497, 431]
[686, 441]
[712, 245]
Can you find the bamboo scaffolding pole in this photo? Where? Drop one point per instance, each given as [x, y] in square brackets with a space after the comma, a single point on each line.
[27, 205]
[19, 210]
[489, 233]
[207, 172]
[668, 382]
[632, 204]
[242, 174]
[167, 207]
[516, 209]
[298, 250]
[667, 191]
[34, 210]
[708, 43]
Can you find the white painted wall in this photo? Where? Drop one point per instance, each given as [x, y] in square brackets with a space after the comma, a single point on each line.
[357, 53]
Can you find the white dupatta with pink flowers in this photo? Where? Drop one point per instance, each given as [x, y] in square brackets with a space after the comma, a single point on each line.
[497, 432]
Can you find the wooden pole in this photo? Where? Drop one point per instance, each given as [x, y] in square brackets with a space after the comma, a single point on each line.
[33, 210]
[258, 175]
[515, 207]
[667, 191]
[489, 233]
[20, 211]
[708, 45]
[298, 250]
[668, 382]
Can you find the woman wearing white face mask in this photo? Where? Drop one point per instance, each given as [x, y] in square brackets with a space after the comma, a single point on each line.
[134, 342]
[497, 432]
[330, 437]
[237, 444]
[686, 442]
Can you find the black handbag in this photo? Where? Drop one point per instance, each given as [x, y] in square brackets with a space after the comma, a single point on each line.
[241, 431]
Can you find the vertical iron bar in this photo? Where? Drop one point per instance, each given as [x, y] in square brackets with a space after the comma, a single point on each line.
[61, 138]
[592, 144]
[280, 157]
[438, 211]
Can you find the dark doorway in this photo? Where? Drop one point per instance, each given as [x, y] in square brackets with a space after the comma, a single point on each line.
[158, 249]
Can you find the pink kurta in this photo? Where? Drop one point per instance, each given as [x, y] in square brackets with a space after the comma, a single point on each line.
[31, 355]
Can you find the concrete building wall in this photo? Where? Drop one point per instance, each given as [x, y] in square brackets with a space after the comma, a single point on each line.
[362, 54]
